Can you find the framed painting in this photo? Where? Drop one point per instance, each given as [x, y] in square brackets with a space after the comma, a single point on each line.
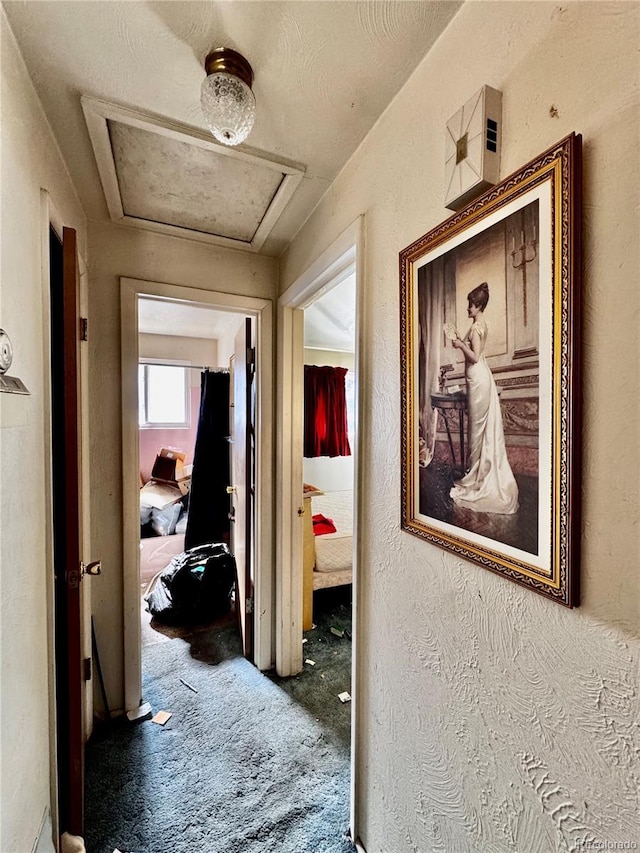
[490, 363]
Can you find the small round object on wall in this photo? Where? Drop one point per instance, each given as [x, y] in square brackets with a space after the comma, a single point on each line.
[6, 351]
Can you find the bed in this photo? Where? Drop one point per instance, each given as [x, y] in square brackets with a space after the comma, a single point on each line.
[327, 558]
[156, 553]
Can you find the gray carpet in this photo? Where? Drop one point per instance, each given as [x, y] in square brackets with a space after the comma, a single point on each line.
[249, 764]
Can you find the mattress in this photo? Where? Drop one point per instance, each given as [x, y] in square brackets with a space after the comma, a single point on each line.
[337, 506]
[334, 552]
[156, 553]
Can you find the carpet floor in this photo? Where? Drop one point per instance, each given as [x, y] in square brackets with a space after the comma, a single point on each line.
[248, 764]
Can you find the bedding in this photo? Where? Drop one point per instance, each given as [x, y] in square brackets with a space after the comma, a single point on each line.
[322, 525]
[333, 548]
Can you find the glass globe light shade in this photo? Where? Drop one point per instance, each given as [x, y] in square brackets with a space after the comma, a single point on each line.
[229, 107]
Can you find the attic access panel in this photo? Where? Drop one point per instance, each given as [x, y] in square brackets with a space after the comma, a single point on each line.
[170, 178]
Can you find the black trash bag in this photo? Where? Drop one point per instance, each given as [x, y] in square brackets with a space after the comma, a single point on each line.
[196, 586]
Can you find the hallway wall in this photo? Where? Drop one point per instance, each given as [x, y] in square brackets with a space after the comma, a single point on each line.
[116, 251]
[30, 160]
[491, 719]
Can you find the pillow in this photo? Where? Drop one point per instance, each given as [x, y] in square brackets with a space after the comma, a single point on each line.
[164, 520]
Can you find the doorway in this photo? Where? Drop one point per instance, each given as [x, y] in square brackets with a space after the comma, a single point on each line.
[344, 258]
[181, 346]
[185, 298]
[329, 436]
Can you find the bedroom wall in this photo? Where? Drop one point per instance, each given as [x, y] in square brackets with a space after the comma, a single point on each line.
[197, 351]
[330, 475]
[489, 718]
[30, 160]
[120, 251]
[226, 344]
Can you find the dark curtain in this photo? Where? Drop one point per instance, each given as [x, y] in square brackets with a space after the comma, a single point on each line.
[209, 503]
[325, 412]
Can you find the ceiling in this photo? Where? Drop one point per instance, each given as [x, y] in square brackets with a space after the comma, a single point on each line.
[184, 319]
[324, 72]
[330, 321]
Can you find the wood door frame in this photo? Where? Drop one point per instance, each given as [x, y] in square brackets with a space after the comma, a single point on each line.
[243, 377]
[344, 255]
[262, 311]
[50, 218]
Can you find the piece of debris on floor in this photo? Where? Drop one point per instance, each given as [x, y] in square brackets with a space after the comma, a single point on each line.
[190, 686]
[304, 640]
[310, 662]
[337, 632]
[161, 717]
[344, 697]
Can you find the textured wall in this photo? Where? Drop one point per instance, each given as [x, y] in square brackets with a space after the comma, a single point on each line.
[30, 160]
[121, 251]
[491, 720]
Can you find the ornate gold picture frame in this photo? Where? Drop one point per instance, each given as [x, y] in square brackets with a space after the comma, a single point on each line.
[490, 364]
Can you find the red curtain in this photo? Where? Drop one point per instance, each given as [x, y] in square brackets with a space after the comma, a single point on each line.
[325, 412]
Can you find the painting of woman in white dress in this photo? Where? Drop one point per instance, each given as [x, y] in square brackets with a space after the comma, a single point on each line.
[478, 383]
[490, 378]
[489, 484]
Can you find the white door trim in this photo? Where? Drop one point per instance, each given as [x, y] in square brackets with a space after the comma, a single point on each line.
[262, 310]
[344, 255]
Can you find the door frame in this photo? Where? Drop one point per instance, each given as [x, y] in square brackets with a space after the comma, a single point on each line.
[341, 258]
[50, 218]
[262, 311]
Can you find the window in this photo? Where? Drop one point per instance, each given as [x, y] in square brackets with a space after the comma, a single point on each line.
[350, 392]
[163, 395]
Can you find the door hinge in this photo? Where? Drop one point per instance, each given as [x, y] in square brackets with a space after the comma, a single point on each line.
[251, 355]
[84, 329]
[86, 667]
[73, 578]
[248, 605]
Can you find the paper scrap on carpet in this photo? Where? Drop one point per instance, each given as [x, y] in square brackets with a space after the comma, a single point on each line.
[161, 717]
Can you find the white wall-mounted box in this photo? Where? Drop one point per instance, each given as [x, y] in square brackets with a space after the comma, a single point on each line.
[473, 147]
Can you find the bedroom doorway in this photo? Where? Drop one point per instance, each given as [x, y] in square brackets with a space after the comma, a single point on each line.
[327, 468]
[178, 343]
[343, 260]
[234, 309]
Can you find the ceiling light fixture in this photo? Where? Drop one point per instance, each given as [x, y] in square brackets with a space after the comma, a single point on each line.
[228, 103]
